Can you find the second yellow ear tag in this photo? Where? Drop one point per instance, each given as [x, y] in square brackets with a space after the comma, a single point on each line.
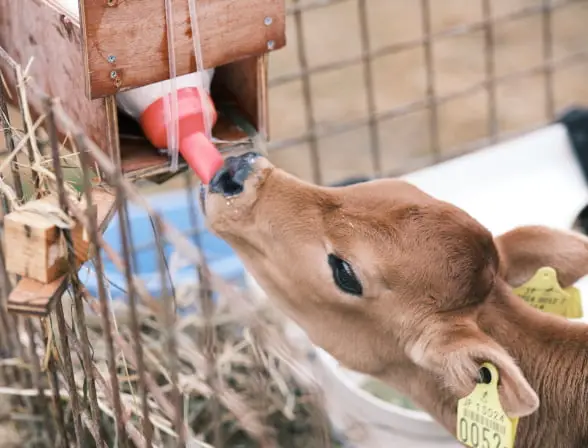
[543, 292]
[481, 421]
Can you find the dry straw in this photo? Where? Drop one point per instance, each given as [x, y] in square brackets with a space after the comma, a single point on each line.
[241, 382]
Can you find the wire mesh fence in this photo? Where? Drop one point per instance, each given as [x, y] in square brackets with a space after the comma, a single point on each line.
[81, 371]
[381, 87]
[197, 364]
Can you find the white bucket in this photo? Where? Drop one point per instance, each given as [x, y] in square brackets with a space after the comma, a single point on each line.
[369, 422]
[364, 420]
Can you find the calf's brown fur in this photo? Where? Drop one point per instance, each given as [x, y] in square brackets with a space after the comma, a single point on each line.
[437, 295]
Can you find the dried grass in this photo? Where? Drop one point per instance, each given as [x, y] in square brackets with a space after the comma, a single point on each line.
[243, 384]
[258, 387]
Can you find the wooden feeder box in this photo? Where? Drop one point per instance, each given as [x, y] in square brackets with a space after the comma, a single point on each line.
[44, 279]
[85, 55]
[36, 247]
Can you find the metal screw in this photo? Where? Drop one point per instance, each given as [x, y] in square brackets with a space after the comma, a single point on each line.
[113, 74]
[111, 58]
[268, 21]
[271, 44]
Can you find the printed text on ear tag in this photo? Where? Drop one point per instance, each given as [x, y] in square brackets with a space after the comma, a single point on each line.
[543, 292]
[481, 421]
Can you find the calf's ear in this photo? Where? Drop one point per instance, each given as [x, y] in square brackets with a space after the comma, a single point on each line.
[457, 354]
[525, 249]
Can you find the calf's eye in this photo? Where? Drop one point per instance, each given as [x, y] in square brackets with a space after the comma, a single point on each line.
[344, 277]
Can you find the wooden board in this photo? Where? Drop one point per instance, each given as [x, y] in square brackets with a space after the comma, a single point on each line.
[238, 82]
[43, 30]
[125, 44]
[31, 297]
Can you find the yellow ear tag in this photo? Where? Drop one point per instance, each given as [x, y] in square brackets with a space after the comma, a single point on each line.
[543, 292]
[481, 421]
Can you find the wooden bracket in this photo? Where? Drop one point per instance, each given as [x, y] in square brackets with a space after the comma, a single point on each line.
[125, 42]
[31, 297]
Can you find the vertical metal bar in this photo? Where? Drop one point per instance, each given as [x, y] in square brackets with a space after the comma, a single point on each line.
[57, 403]
[79, 315]
[128, 258]
[7, 329]
[170, 337]
[5, 378]
[9, 138]
[10, 324]
[131, 293]
[38, 382]
[489, 60]
[430, 79]
[12, 321]
[132, 297]
[102, 295]
[192, 201]
[208, 346]
[208, 343]
[68, 367]
[369, 87]
[307, 95]
[547, 32]
[86, 355]
[69, 373]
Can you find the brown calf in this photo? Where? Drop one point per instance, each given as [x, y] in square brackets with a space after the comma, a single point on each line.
[412, 290]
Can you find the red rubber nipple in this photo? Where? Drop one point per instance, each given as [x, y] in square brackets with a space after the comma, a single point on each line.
[199, 152]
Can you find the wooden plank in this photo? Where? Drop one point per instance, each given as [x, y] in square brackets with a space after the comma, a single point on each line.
[31, 297]
[45, 31]
[238, 82]
[125, 42]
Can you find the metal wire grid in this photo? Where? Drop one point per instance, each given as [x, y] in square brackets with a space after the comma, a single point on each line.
[24, 338]
[73, 339]
[432, 100]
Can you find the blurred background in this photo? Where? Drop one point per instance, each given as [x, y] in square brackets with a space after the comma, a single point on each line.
[389, 86]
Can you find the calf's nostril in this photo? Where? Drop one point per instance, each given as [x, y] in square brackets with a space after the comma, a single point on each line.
[225, 183]
[230, 179]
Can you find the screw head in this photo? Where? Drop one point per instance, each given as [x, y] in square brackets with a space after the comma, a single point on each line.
[111, 59]
[113, 74]
[268, 21]
[271, 44]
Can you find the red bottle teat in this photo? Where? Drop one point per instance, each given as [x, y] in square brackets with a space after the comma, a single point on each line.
[198, 151]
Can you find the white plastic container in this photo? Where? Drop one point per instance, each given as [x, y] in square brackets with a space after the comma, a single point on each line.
[364, 420]
[135, 101]
[195, 117]
[369, 422]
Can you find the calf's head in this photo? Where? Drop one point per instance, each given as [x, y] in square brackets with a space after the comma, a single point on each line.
[379, 274]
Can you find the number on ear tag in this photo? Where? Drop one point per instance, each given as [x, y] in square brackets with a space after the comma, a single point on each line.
[481, 421]
[544, 292]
